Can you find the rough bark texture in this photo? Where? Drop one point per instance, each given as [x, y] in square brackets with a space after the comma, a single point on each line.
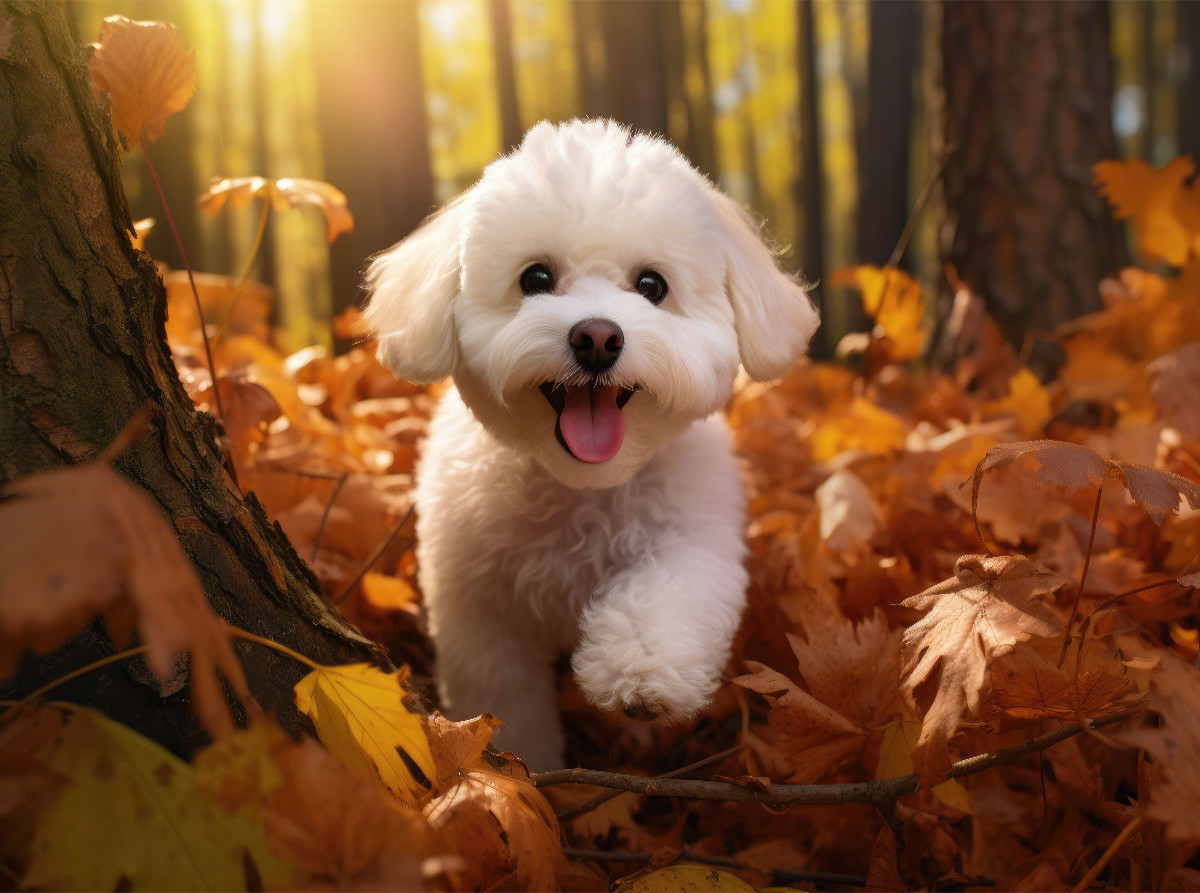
[1028, 97]
[82, 347]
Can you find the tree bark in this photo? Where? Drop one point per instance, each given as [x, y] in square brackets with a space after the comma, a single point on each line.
[883, 142]
[1028, 110]
[82, 348]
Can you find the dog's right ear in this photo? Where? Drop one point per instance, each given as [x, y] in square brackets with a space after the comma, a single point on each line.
[413, 285]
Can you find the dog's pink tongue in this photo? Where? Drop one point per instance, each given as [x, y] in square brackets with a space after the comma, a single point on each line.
[591, 423]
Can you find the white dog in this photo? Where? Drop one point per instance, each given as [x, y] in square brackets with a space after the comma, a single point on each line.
[592, 297]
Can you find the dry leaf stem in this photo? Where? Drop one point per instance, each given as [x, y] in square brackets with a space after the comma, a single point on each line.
[877, 793]
[374, 556]
[162, 197]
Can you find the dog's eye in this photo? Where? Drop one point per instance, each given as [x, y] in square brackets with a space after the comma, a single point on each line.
[651, 286]
[537, 280]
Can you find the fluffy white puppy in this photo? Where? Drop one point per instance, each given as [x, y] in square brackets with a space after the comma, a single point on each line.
[592, 297]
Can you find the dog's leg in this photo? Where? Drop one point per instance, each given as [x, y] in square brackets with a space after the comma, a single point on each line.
[656, 639]
[485, 665]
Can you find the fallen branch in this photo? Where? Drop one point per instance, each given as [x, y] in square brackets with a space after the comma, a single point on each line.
[876, 793]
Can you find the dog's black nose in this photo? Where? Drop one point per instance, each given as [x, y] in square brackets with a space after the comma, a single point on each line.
[596, 343]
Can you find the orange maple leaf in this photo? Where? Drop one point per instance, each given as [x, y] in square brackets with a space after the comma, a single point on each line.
[146, 73]
[489, 811]
[992, 603]
[1165, 211]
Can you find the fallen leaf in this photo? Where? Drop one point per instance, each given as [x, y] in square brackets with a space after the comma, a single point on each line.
[132, 817]
[82, 540]
[847, 511]
[143, 68]
[684, 878]
[892, 298]
[499, 820]
[359, 713]
[989, 606]
[1151, 198]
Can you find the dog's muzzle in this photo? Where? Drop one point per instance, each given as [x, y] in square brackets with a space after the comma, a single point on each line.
[590, 426]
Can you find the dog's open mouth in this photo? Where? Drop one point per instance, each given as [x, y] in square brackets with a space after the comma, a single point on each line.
[590, 424]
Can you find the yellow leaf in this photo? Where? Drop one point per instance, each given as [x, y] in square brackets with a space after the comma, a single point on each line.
[684, 878]
[359, 714]
[388, 593]
[893, 300]
[895, 761]
[145, 72]
[132, 817]
[1028, 401]
[860, 426]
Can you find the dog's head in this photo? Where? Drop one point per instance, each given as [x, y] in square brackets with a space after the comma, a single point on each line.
[592, 296]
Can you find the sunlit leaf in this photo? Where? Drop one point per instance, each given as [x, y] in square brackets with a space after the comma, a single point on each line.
[283, 194]
[360, 715]
[143, 68]
[1152, 199]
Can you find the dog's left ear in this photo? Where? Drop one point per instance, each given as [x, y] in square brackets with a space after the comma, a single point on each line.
[774, 316]
[413, 285]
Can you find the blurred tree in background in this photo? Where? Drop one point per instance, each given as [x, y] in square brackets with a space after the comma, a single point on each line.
[827, 117]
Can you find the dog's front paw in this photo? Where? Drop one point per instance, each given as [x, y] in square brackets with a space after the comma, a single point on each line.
[619, 666]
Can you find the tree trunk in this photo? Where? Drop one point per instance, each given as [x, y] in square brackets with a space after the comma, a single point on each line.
[634, 80]
[375, 131]
[82, 348]
[883, 141]
[506, 74]
[1028, 110]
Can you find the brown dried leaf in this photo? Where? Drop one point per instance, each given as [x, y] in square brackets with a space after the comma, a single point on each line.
[1175, 746]
[989, 606]
[494, 817]
[283, 194]
[82, 540]
[143, 68]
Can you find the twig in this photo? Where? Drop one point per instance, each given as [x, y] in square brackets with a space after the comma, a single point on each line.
[374, 556]
[781, 875]
[918, 207]
[574, 812]
[162, 197]
[312, 555]
[134, 430]
[1087, 562]
[876, 793]
[227, 316]
[1108, 854]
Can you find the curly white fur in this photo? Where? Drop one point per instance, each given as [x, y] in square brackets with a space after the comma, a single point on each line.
[633, 563]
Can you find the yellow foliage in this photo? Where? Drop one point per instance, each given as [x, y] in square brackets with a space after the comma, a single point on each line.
[860, 426]
[893, 300]
[124, 792]
[1164, 209]
[359, 713]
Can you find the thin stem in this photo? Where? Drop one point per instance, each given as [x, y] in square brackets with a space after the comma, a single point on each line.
[374, 556]
[1104, 859]
[75, 674]
[918, 207]
[227, 316]
[312, 555]
[134, 430]
[1087, 563]
[212, 368]
[282, 649]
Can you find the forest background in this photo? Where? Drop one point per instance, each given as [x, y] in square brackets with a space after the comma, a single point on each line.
[910, 712]
[824, 117]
